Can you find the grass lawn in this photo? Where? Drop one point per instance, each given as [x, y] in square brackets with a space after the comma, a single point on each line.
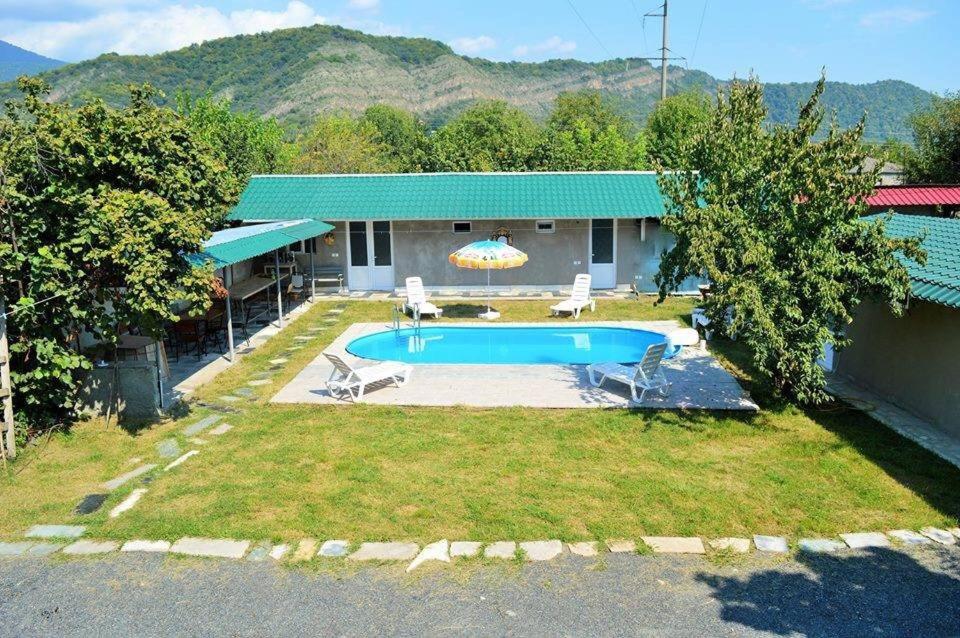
[370, 472]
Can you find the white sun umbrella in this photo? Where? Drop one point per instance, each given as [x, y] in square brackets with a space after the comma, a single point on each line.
[488, 255]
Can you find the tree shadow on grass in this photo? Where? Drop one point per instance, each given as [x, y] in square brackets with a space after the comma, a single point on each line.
[881, 592]
[464, 310]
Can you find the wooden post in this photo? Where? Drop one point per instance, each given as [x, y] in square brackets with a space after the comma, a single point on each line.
[229, 325]
[313, 279]
[8, 448]
[276, 264]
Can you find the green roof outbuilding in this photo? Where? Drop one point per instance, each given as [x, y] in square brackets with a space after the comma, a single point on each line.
[938, 281]
[233, 245]
[453, 196]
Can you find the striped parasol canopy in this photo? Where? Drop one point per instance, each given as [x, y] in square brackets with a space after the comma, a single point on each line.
[488, 255]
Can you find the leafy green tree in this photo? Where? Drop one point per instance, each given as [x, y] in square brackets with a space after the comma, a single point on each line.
[890, 150]
[936, 136]
[342, 144]
[402, 136]
[672, 126]
[583, 133]
[97, 207]
[248, 143]
[489, 136]
[773, 219]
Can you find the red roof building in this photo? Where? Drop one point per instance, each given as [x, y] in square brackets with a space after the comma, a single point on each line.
[945, 195]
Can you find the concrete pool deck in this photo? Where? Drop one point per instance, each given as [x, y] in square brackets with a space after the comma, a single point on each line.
[699, 381]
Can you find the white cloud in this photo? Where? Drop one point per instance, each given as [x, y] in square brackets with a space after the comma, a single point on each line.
[151, 31]
[364, 5]
[472, 46]
[551, 45]
[887, 18]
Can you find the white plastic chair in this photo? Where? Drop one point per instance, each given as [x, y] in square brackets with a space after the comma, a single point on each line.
[646, 375]
[579, 298]
[416, 297]
[354, 381]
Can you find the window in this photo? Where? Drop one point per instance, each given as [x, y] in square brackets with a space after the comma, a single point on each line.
[295, 247]
[460, 228]
[358, 244]
[545, 226]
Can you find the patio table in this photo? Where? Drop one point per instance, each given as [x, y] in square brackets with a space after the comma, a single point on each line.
[251, 287]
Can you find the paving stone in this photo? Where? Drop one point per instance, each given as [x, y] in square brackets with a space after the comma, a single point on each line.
[279, 361]
[181, 459]
[114, 483]
[128, 502]
[439, 551]
[775, 544]
[197, 441]
[306, 549]
[303, 338]
[820, 545]
[955, 531]
[335, 311]
[55, 531]
[44, 549]
[202, 425]
[738, 545]
[85, 546]
[153, 547]
[219, 547]
[277, 552]
[386, 551]
[464, 549]
[259, 382]
[501, 549]
[334, 548]
[229, 399]
[908, 536]
[622, 546]
[260, 552]
[223, 428]
[675, 544]
[584, 548]
[90, 504]
[168, 448]
[859, 540]
[15, 549]
[942, 536]
[537, 551]
[244, 392]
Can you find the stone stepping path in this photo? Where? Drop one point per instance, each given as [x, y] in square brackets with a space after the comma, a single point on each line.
[908, 537]
[202, 425]
[259, 382]
[212, 547]
[221, 429]
[129, 502]
[44, 549]
[279, 361]
[246, 393]
[181, 459]
[55, 531]
[15, 549]
[168, 448]
[537, 551]
[941, 536]
[861, 540]
[229, 398]
[113, 484]
[90, 504]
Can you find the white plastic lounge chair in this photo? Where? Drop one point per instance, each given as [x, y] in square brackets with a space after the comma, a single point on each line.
[354, 381]
[646, 375]
[416, 297]
[578, 300]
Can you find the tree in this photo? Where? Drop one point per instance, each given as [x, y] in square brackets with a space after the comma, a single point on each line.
[401, 135]
[97, 207]
[673, 125]
[248, 143]
[773, 220]
[936, 136]
[890, 150]
[583, 133]
[489, 136]
[342, 144]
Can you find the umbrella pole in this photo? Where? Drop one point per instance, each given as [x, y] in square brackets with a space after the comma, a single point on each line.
[488, 291]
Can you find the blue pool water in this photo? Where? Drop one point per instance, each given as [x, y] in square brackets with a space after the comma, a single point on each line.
[483, 344]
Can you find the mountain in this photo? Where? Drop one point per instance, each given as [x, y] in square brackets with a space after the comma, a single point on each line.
[15, 61]
[293, 74]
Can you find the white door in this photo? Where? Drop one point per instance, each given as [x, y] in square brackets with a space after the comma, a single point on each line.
[370, 254]
[603, 253]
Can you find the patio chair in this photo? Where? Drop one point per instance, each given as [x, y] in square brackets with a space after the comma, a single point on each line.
[354, 381]
[645, 375]
[187, 333]
[417, 298]
[295, 287]
[578, 300]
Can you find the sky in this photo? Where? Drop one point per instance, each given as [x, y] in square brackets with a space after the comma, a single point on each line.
[779, 41]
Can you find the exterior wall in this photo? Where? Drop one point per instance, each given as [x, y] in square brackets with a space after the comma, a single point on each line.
[638, 261]
[914, 359]
[327, 256]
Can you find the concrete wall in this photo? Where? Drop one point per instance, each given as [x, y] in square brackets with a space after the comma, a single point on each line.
[335, 255]
[914, 359]
[134, 387]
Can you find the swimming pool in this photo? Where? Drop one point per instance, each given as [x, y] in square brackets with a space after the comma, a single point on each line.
[507, 345]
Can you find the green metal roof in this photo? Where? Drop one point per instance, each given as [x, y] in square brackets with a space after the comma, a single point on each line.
[939, 280]
[234, 245]
[416, 196]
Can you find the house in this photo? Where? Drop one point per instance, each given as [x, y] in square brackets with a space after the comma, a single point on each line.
[890, 174]
[392, 226]
[914, 360]
[938, 200]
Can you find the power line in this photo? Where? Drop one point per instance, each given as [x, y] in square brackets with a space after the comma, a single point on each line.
[595, 37]
[696, 42]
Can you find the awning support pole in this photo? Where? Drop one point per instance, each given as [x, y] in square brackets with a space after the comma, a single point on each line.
[230, 327]
[313, 279]
[276, 263]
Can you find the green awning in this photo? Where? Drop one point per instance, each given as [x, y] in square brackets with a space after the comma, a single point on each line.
[234, 245]
[466, 196]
